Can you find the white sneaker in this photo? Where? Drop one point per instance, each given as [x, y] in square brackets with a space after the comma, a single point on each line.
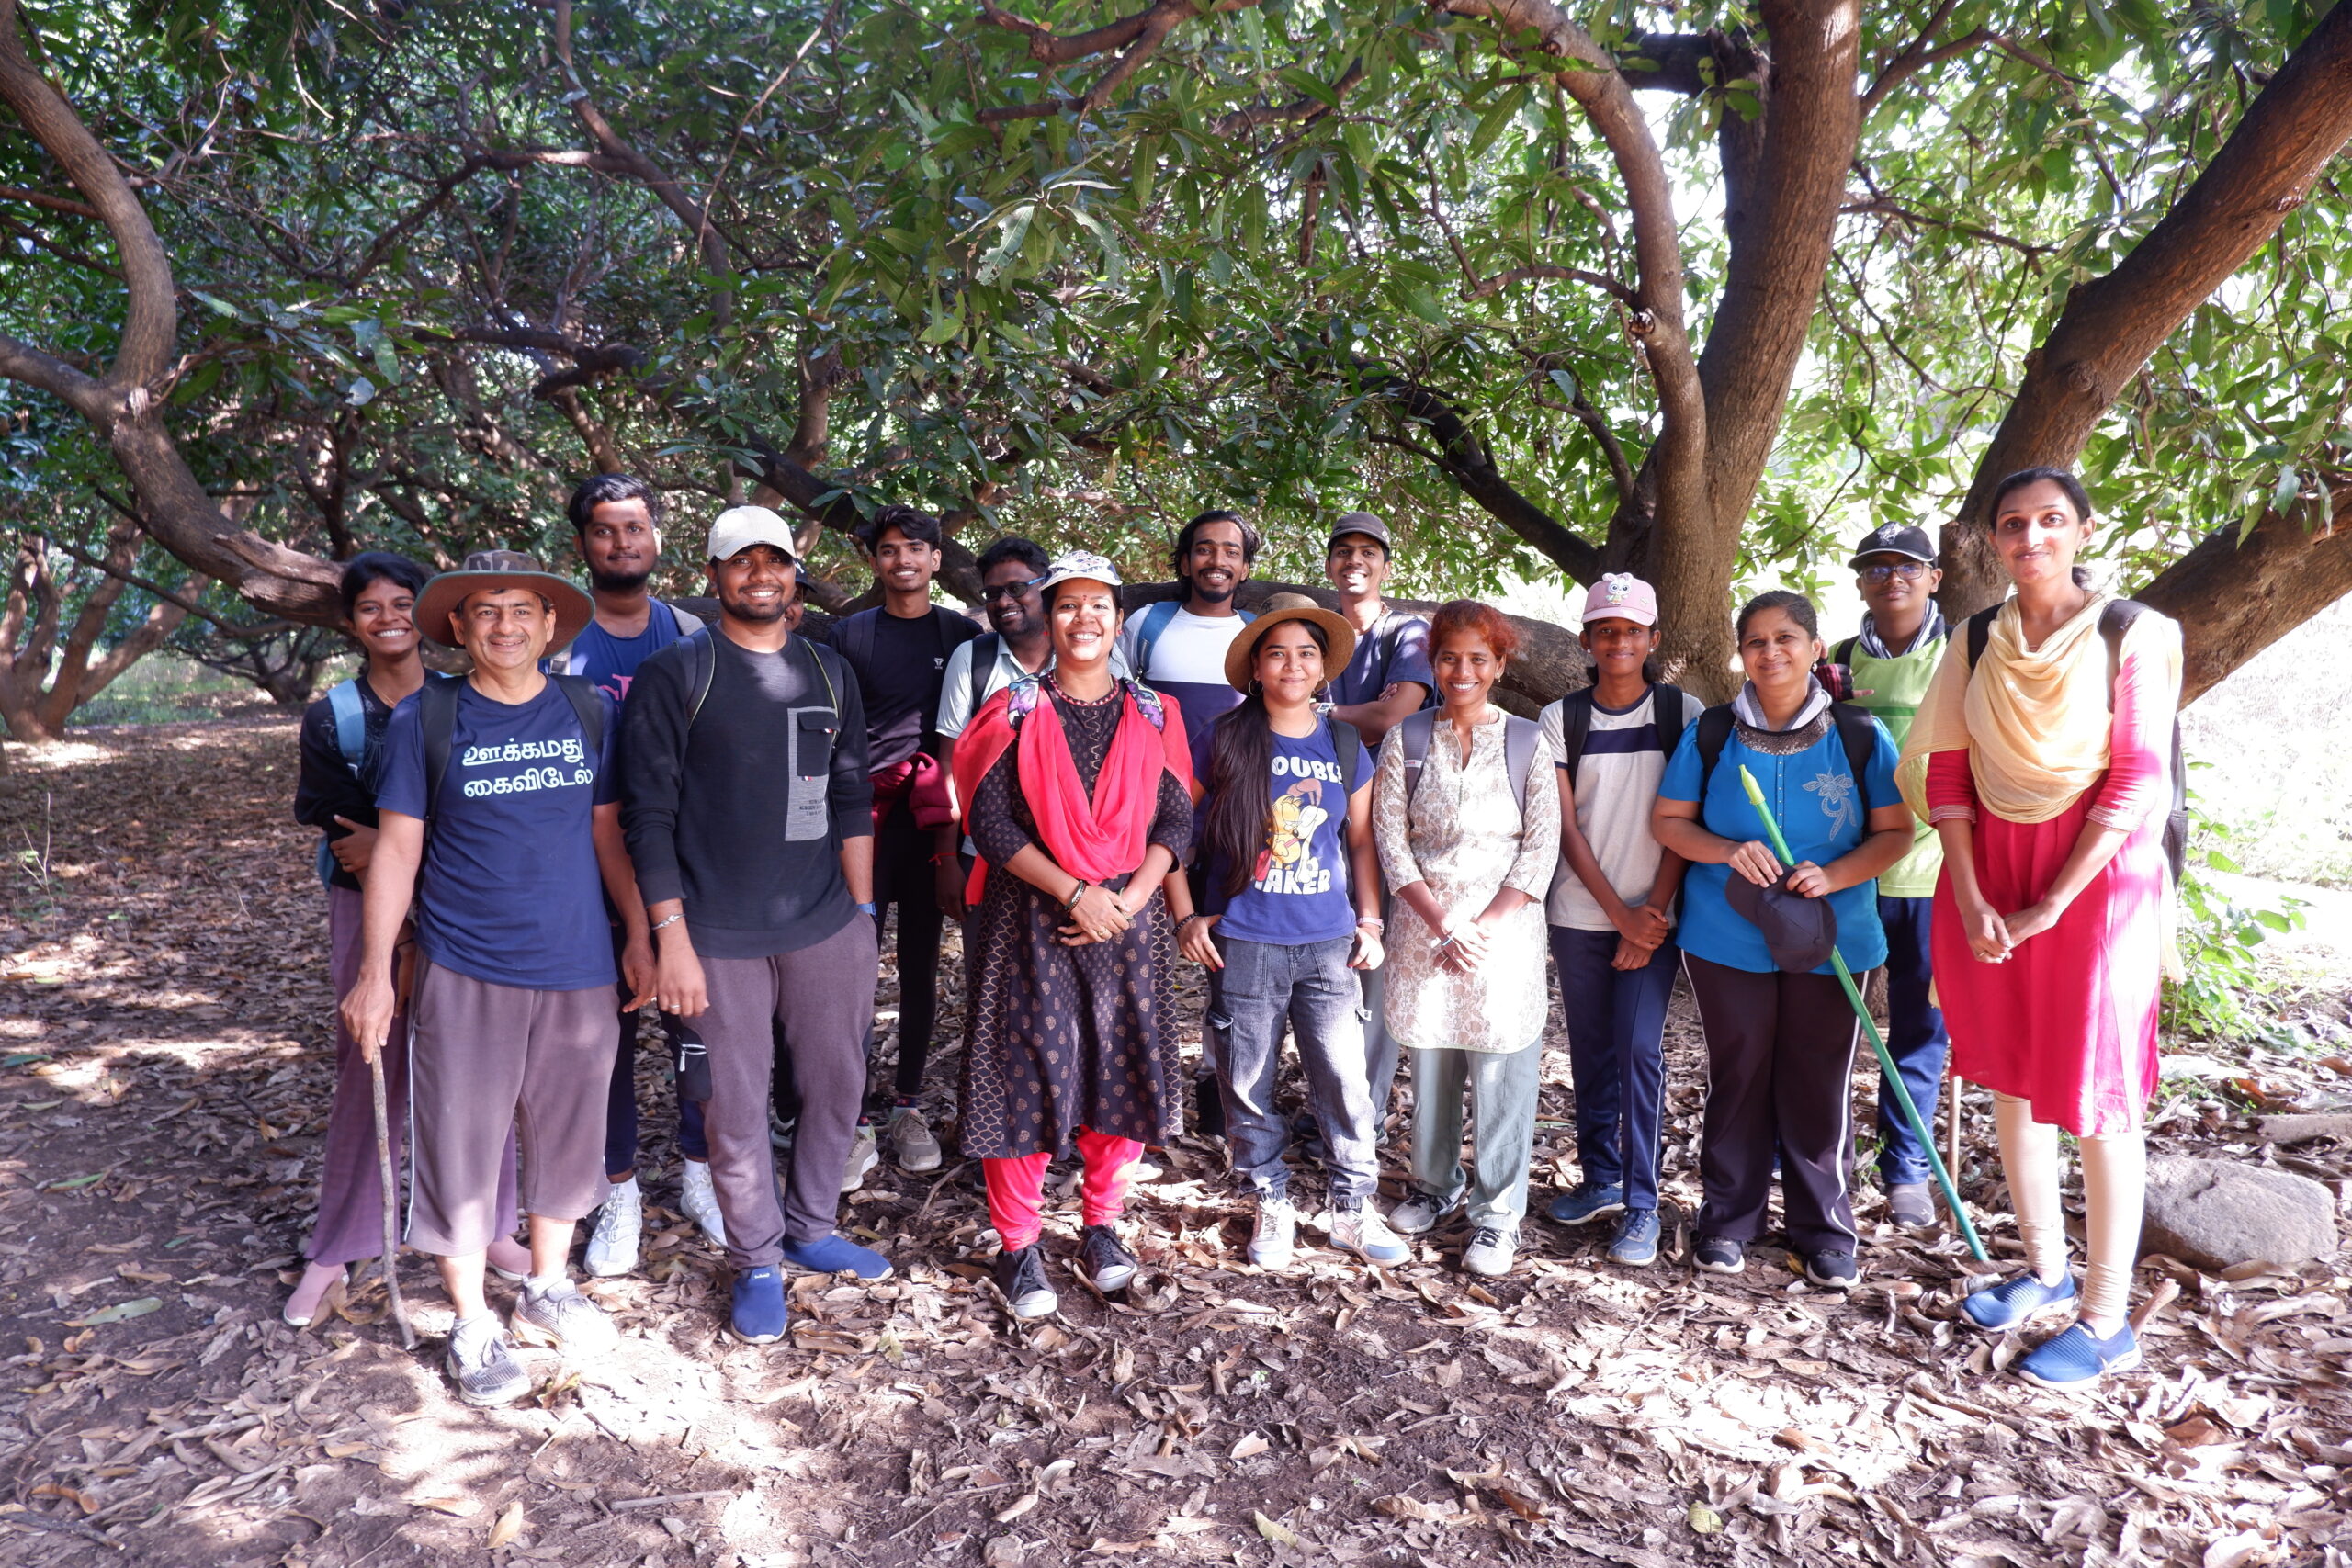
[1276, 1236]
[1418, 1214]
[698, 1200]
[559, 1315]
[912, 1143]
[1491, 1252]
[863, 1157]
[612, 1245]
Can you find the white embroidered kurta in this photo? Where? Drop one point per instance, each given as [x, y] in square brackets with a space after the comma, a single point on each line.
[1463, 834]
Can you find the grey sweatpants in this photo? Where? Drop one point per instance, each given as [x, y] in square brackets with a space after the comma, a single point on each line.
[488, 1062]
[822, 997]
[1502, 1086]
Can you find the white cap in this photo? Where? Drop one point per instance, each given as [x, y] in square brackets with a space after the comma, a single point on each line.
[738, 528]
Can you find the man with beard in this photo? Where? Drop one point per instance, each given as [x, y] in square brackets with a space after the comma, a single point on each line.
[744, 783]
[899, 652]
[616, 524]
[1177, 647]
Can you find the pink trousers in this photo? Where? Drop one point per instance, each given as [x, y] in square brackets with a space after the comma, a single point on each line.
[1017, 1187]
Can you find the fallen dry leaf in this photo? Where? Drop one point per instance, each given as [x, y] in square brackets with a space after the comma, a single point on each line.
[508, 1526]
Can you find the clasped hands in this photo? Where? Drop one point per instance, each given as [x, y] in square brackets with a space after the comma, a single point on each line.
[1100, 914]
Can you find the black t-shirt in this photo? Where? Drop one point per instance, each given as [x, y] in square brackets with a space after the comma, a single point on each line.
[899, 674]
[325, 789]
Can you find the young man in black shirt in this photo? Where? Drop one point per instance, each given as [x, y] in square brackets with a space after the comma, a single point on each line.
[899, 651]
[743, 783]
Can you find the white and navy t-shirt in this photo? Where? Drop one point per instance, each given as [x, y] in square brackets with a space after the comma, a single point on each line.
[1297, 890]
[1187, 663]
[510, 891]
[1616, 785]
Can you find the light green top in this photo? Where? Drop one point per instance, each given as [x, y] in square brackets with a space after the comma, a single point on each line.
[1895, 687]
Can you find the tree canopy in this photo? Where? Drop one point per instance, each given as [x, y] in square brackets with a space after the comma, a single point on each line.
[1696, 291]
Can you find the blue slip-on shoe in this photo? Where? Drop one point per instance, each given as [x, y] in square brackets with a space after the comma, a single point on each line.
[760, 1316]
[2077, 1359]
[2011, 1303]
[1586, 1202]
[1635, 1242]
[837, 1254]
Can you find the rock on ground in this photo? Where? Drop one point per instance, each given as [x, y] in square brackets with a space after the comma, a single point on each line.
[2215, 1214]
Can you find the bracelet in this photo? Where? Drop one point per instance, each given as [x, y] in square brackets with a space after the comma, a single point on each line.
[1187, 920]
[666, 921]
[1076, 893]
[1373, 923]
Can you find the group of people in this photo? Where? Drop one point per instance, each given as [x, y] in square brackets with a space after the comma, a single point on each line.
[1326, 811]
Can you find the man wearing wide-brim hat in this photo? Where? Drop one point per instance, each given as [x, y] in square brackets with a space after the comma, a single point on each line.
[499, 814]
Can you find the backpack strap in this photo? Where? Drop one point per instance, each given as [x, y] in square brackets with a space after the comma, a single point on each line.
[681, 621]
[853, 636]
[1154, 707]
[1715, 733]
[1980, 631]
[350, 723]
[437, 711]
[1668, 704]
[1025, 695]
[1156, 617]
[1843, 652]
[1859, 733]
[1576, 729]
[984, 654]
[2115, 618]
[1346, 739]
[1521, 738]
[1413, 733]
[587, 706]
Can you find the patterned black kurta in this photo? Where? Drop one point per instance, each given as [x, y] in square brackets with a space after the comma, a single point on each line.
[1060, 1038]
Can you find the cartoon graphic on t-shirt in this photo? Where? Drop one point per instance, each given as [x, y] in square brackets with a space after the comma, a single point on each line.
[1288, 863]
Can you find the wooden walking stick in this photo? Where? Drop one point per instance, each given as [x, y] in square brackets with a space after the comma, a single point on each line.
[391, 1204]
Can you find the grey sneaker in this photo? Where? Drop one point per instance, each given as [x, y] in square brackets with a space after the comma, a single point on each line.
[1418, 1214]
[481, 1366]
[912, 1143]
[1910, 1207]
[1491, 1252]
[1275, 1237]
[559, 1315]
[863, 1157]
[620, 1224]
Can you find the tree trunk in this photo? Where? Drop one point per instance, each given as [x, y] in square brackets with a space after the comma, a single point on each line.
[2233, 600]
[2111, 325]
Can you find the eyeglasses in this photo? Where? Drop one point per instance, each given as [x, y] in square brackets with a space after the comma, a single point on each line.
[1908, 570]
[1008, 591]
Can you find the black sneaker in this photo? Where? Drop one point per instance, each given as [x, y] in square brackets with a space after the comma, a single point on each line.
[1208, 1108]
[1832, 1268]
[1103, 1260]
[1719, 1254]
[1021, 1280]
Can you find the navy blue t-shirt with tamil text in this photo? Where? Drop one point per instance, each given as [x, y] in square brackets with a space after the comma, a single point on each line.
[509, 892]
[1297, 890]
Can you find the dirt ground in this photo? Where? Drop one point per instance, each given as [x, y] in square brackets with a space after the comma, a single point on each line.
[163, 1075]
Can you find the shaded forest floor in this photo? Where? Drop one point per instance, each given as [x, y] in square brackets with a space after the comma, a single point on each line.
[164, 1078]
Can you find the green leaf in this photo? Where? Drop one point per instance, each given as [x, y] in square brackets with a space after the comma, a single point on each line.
[1497, 115]
[117, 1314]
[941, 329]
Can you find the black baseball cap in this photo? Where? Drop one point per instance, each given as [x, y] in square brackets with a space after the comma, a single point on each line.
[1801, 933]
[1364, 522]
[1895, 539]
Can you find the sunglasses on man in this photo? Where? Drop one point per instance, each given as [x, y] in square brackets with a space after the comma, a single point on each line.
[1009, 591]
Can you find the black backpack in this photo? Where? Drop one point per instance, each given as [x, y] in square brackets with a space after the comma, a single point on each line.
[2115, 618]
[1575, 722]
[437, 708]
[1857, 731]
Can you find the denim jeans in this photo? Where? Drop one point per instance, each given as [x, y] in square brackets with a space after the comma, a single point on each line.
[1915, 1038]
[1616, 1025]
[1311, 985]
[1502, 1086]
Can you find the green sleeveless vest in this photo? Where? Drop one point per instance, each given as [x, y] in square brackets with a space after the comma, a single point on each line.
[1896, 688]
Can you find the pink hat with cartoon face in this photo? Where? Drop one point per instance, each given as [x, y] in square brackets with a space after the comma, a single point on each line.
[1621, 596]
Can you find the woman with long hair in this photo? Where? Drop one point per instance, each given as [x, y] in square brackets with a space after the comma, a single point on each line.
[1294, 912]
[1081, 792]
[1757, 937]
[334, 792]
[2041, 756]
[1467, 814]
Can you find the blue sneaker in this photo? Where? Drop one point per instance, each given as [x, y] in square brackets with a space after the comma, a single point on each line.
[1635, 1242]
[837, 1254]
[2077, 1359]
[1587, 1202]
[760, 1316]
[2011, 1303]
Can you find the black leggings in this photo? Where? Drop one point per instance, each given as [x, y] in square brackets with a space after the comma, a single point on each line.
[904, 878]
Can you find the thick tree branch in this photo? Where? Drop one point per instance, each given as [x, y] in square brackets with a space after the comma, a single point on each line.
[2233, 600]
[2111, 325]
[1462, 458]
[54, 203]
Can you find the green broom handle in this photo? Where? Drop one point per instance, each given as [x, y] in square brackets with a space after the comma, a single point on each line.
[1892, 1079]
